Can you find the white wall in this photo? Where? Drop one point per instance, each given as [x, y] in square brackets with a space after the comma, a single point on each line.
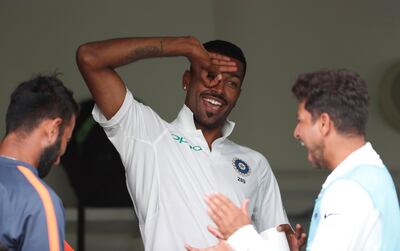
[285, 38]
[42, 36]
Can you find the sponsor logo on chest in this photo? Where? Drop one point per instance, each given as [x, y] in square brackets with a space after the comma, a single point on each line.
[182, 140]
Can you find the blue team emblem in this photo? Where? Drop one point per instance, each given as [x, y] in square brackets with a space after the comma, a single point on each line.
[241, 167]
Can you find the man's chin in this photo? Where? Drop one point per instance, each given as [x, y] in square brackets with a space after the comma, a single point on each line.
[316, 165]
[210, 114]
[313, 162]
[212, 123]
[46, 164]
[208, 120]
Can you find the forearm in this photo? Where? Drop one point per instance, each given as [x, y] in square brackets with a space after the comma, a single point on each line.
[97, 61]
[118, 52]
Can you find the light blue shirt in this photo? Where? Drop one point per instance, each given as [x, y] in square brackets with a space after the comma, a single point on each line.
[376, 181]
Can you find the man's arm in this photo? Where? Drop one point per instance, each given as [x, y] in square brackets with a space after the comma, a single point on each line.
[221, 246]
[97, 62]
[233, 225]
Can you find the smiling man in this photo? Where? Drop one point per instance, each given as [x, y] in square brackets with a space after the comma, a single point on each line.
[357, 208]
[170, 167]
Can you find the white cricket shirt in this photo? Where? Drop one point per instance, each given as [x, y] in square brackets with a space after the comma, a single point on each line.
[169, 169]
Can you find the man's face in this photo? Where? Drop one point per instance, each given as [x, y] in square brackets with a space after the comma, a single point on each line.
[212, 105]
[51, 155]
[308, 133]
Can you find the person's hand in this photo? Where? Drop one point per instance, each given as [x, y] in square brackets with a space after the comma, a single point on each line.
[221, 246]
[227, 217]
[296, 239]
[208, 65]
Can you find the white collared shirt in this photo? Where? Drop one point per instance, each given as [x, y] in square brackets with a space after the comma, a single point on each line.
[169, 170]
[349, 221]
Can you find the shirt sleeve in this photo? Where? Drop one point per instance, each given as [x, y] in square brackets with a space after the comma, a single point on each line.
[348, 219]
[247, 239]
[133, 130]
[268, 209]
[134, 122]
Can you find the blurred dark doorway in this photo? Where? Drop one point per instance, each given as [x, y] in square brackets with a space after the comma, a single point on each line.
[94, 169]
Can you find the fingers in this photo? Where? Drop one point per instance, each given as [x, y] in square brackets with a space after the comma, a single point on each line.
[299, 231]
[219, 217]
[285, 228]
[218, 64]
[219, 204]
[297, 243]
[218, 67]
[301, 236]
[222, 62]
[217, 56]
[302, 239]
[224, 213]
[212, 79]
[215, 232]
[190, 248]
[223, 66]
[296, 238]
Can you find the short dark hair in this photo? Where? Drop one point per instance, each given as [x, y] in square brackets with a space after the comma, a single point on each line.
[39, 98]
[227, 49]
[340, 93]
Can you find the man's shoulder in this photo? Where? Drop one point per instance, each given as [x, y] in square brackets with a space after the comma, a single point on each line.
[25, 189]
[241, 149]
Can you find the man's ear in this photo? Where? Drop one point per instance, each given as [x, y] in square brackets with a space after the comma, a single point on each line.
[187, 75]
[52, 129]
[325, 123]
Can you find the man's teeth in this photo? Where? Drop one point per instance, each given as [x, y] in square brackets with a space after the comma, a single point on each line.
[213, 102]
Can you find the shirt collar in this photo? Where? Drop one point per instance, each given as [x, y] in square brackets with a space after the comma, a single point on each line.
[20, 163]
[364, 155]
[186, 122]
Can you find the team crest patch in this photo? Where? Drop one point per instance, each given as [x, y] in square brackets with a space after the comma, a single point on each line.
[241, 167]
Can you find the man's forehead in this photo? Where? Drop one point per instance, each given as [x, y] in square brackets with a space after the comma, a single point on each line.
[238, 75]
[300, 108]
[240, 71]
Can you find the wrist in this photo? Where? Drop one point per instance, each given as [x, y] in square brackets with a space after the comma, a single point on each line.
[176, 46]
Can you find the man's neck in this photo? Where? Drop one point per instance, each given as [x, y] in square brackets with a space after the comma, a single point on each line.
[20, 148]
[341, 148]
[210, 134]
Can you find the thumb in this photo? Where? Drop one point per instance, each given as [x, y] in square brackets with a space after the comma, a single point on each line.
[190, 248]
[244, 207]
[215, 232]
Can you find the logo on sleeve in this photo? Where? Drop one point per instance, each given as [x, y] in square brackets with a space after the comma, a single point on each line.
[241, 167]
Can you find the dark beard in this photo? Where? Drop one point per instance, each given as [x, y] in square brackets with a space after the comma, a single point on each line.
[319, 160]
[48, 157]
[209, 114]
